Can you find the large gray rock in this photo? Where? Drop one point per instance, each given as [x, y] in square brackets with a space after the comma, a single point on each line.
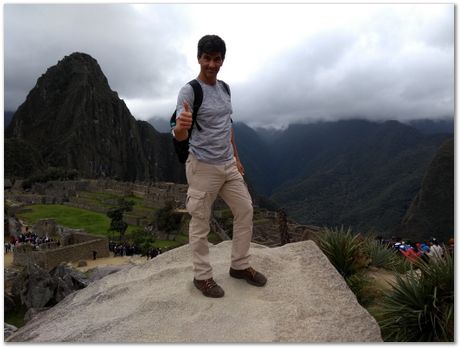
[305, 300]
[38, 288]
[103, 271]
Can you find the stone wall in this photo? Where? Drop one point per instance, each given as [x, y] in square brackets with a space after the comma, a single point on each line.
[155, 194]
[83, 247]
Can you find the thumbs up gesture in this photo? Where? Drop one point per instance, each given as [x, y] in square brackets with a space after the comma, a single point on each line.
[184, 121]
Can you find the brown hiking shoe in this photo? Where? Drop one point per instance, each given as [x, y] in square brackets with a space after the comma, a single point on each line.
[209, 287]
[250, 275]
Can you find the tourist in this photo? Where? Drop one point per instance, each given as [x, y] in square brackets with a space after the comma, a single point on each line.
[213, 168]
[436, 250]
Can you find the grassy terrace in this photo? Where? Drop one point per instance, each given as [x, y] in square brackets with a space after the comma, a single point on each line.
[96, 223]
[92, 222]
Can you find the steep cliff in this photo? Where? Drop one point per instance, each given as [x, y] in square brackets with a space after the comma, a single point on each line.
[432, 210]
[74, 120]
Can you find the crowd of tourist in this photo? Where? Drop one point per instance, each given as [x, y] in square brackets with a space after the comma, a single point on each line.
[426, 250]
[126, 249]
[28, 238]
[123, 249]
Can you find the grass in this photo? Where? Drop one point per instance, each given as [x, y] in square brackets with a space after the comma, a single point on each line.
[92, 222]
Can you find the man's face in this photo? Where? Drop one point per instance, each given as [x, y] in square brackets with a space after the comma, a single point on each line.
[210, 64]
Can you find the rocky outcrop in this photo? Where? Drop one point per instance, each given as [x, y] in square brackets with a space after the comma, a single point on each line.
[37, 288]
[305, 300]
[432, 210]
[73, 120]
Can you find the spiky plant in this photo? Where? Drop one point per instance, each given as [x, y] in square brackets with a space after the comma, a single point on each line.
[420, 306]
[361, 285]
[382, 256]
[343, 249]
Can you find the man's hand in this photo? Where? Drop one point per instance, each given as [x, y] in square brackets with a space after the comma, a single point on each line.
[183, 123]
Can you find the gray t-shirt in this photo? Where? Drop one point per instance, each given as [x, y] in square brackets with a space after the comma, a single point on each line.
[212, 144]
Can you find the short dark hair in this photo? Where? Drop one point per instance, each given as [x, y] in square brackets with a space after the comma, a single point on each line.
[210, 44]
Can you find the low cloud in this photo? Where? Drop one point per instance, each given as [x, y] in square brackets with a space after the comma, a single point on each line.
[377, 62]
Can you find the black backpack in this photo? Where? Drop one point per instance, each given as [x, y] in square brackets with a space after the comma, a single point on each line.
[181, 147]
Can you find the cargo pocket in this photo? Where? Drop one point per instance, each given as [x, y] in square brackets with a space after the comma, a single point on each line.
[196, 203]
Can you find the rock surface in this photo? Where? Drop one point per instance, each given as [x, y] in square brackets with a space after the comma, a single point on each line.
[305, 300]
[38, 288]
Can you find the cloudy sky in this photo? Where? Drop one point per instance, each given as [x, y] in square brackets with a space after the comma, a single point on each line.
[285, 62]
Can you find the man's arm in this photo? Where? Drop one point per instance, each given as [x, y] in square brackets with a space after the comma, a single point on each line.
[235, 153]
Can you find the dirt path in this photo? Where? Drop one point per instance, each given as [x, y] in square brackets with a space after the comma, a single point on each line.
[7, 259]
[382, 277]
[111, 261]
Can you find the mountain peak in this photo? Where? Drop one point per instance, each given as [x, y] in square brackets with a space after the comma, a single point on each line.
[75, 70]
[75, 121]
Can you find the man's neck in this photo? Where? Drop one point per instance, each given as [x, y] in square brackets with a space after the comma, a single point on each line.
[207, 81]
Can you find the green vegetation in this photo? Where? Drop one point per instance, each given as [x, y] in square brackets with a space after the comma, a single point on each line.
[344, 249]
[383, 257]
[50, 173]
[92, 222]
[419, 306]
[167, 220]
[116, 215]
[16, 317]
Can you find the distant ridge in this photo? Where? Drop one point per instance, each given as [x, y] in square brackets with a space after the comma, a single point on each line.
[353, 172]
[431, 213]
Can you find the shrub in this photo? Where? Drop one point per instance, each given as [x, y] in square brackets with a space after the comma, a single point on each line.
[343, 249]
[167, 219]
[382, 256]
[420, 306]
[361, 285]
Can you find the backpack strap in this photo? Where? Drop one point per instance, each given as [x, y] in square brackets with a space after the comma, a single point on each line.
[227, 87]
[198, 100]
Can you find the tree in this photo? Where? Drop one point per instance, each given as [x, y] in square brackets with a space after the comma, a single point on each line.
[116, 214]
[167, 220]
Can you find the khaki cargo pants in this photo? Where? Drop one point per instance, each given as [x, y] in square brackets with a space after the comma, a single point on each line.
[206, 181]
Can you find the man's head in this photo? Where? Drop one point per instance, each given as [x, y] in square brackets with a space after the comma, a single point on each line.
[211, 55]
[211, 44]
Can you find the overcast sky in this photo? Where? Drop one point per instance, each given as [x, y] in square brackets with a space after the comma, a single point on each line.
[284, 63]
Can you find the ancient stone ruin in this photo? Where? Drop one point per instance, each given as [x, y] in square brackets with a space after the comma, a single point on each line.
[74, 245]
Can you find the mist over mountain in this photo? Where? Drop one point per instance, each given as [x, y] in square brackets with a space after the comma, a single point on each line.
[427, 126]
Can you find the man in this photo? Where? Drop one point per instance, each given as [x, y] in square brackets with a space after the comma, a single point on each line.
[214, 168]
